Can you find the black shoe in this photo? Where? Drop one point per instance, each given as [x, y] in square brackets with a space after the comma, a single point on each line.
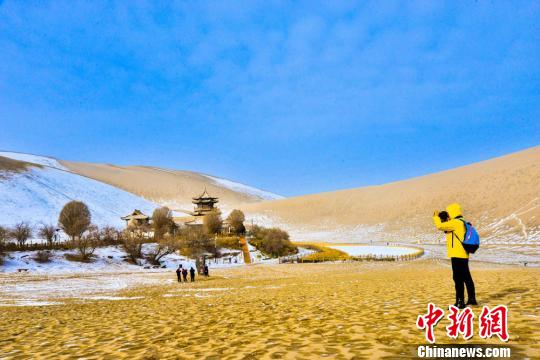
[471, 302]
[460, 304]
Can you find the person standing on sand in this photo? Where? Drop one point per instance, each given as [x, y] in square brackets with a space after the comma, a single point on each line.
[454, 228]
[179, 273]
[192, 274]
[184, 274]
[206, 271]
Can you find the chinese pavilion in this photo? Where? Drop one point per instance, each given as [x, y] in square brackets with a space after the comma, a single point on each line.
[204, 203]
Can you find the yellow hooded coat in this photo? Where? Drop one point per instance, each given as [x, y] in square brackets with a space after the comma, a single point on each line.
[454, 229]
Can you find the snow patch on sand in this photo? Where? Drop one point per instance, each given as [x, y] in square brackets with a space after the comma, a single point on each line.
[111, 298]
[23, 302]
[365, 250]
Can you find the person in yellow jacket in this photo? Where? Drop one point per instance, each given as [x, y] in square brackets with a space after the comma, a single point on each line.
[455, 233]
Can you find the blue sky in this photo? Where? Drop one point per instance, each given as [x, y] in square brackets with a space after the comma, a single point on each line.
[292, 97]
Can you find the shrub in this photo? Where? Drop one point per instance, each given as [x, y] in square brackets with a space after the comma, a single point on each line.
[229, 242]
[212, 222]
[75, 218]
[47, 232]
[273, 242]
[21, 232]
[162, 222]
[323, 253]
[43, 256]
[236, 221]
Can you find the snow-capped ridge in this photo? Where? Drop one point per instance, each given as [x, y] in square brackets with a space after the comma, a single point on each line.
[34, 159]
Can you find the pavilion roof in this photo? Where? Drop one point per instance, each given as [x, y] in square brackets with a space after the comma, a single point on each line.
[205, 196]
[136, 215]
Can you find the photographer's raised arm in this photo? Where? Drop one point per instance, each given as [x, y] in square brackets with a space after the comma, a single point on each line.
[450, 225]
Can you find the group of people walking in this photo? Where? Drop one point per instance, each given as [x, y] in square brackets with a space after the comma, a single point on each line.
[182, 273]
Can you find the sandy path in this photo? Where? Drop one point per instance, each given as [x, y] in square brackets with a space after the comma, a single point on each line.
[296, 311]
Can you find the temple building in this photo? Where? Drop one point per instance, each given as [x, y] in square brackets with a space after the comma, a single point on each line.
[204, 204]
[136, 218]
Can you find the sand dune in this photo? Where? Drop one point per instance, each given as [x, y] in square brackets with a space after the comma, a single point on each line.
[173, 188]
[500, 196]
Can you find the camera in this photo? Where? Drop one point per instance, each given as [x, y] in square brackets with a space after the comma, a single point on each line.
[444, 216]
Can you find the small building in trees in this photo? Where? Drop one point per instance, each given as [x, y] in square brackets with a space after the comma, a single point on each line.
[136, 218]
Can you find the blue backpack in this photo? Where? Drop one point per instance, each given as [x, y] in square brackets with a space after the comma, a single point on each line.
[471, 241]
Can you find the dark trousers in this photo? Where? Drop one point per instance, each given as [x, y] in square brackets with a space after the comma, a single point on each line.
[462, 275]
[179, 278]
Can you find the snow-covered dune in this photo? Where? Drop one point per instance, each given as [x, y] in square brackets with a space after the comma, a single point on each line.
[38, 194]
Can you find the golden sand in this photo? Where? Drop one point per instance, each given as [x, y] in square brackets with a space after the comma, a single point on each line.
[296, 311]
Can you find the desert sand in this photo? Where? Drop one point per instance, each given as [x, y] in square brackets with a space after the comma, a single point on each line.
[295, 311]
[500, 196]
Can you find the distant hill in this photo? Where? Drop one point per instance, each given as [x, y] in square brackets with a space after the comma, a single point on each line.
[500, 196]
[34, 188]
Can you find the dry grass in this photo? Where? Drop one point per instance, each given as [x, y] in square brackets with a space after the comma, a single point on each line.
[322, 253]
[295, 311]
[8, 165]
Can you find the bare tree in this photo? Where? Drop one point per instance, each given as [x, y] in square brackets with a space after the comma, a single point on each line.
[162, 222]
[194, 242]
[75, 218]
[86, 243]
[21, 232]
[212, 222]
[165, 246]
[110, 235]
[236, 220]
[132, 242]
[47, 232]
